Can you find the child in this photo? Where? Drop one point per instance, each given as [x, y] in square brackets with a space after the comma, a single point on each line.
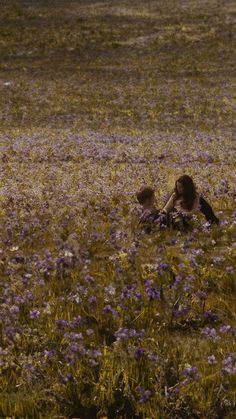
[146, 198]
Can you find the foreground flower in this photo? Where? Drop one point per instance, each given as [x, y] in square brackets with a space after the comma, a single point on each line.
[139, 352]
[145, 395]
[229, 270]
[227, 329]
[229, 364]
[128, 333]
[108, 309]
[34, 314]
[192, 375]
[212, 360]
[211, 334]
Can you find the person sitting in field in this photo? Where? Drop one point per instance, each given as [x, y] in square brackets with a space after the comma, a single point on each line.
[185, 202]
[146, 198]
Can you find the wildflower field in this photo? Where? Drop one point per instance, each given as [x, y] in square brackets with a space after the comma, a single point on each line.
[98, 319]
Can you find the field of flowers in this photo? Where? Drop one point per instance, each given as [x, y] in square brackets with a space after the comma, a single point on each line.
[98, 319]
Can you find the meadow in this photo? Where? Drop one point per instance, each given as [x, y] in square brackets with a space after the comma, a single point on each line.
[99, 319]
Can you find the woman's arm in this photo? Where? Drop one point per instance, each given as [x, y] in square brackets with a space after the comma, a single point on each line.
[206, 209]
[170, 203]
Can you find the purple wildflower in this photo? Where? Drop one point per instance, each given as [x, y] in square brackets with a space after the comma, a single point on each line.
[92, 301]
[190, 371]
[34, 314]
[64, 379]
[229, 364]
[74, 336]
[226, 329]
[14, 309]
[174, 391]
[208, 314]
[202, 295]
[178, 278]
[151, 291]
[211, 334]
[109, 309]
[49, 353]
[89, 332]
[139, 352]
[74, 347]
[211, 360]
[218, 259]
[152, 356]
[145, 395]
[229, 270]
[182, 310]
[128, 333]
[62, 324]
[77, 321]
[70, 360]
[96, 353]
[191, 374]
[89, 279]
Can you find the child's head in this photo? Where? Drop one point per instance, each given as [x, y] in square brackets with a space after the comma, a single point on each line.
[146, 196]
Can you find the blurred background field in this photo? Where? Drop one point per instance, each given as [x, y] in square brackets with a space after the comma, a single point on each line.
[98, 98]
[123, 66]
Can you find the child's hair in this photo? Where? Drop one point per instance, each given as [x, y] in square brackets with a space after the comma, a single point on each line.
[144, 194]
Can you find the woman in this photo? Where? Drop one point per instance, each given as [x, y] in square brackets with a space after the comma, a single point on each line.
[184, 202]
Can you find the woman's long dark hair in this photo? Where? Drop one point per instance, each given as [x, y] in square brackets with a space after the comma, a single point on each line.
[189, 194]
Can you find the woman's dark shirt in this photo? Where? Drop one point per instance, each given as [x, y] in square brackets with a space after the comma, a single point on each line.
[206, 209]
